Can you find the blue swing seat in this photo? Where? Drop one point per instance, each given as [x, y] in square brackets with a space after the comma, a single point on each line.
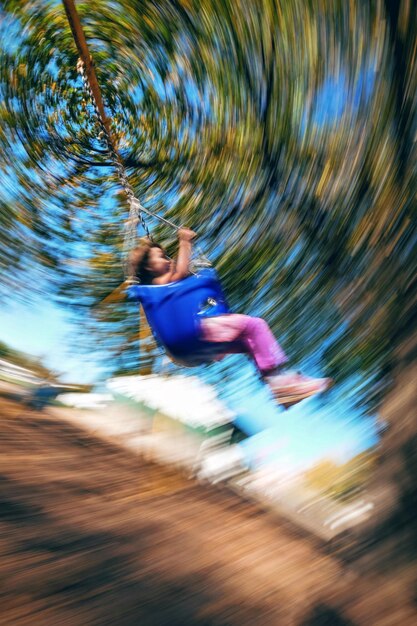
[174, 312]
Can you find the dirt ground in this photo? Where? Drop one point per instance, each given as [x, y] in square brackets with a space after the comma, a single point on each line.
[92, 535]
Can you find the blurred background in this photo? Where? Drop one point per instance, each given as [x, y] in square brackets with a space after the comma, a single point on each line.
[283, 133]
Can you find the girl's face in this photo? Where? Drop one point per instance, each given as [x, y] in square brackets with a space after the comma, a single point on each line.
[158, 264]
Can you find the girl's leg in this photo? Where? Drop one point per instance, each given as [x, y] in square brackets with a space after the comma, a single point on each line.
[245, 334]
[252, 335]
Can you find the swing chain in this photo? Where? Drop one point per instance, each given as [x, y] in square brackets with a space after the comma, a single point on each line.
[135, 207]
[136, 210]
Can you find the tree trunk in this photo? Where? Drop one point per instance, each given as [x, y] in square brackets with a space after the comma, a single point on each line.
[391, 532]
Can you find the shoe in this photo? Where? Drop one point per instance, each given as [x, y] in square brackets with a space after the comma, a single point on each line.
[289, 388]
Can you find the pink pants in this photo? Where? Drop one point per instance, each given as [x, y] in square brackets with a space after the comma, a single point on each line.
[247, 335]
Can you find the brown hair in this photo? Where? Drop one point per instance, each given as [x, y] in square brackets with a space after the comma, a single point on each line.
[138, 261]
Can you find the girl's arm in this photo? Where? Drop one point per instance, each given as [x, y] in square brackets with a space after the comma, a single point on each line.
[181, 270]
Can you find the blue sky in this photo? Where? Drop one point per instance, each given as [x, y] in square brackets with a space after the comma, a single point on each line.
[42, 329]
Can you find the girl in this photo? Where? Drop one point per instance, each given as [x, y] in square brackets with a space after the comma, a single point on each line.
[242, 333]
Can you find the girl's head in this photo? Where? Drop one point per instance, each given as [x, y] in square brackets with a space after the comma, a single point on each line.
[148, 261]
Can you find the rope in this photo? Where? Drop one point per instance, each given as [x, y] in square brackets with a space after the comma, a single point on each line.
[85, 67]
[135, 208]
